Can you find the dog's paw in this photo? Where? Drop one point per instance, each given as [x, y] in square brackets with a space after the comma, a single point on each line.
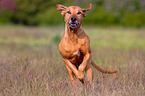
[81, 68]
[80, 75]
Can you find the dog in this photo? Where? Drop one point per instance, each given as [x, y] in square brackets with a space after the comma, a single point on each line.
[74, 46]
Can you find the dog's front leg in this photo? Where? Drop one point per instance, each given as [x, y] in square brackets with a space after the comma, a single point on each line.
[86, 60]
[79, 75]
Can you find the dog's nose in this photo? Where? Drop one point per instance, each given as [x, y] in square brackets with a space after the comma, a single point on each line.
[73, 19]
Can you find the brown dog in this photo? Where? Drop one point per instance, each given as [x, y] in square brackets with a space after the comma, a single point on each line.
[75, 44]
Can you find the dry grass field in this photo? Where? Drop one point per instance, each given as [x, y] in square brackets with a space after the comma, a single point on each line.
[30, 64]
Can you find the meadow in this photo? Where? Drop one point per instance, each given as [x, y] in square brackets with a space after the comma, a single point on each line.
[30, 64]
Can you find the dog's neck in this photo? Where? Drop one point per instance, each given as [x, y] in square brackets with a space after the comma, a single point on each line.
[72, 34]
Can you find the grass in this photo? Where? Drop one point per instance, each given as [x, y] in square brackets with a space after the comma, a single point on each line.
[30, 64]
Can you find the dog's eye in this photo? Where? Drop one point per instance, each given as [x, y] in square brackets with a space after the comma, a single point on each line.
[79, 13]
[68, 12]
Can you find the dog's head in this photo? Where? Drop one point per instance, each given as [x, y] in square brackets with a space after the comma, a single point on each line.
[73, 15]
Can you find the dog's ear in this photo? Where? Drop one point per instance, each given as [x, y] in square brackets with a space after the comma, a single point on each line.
[61, 8]
[84, 10]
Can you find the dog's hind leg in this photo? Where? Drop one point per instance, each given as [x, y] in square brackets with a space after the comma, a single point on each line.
[89, 73]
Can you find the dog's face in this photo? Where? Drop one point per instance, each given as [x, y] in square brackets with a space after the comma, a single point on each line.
[73, 15]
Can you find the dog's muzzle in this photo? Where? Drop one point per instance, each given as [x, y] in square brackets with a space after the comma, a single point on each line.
[73, 22]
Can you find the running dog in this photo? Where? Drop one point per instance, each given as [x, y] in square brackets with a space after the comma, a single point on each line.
[75, 44]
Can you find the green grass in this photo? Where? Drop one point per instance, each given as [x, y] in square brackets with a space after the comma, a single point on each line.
[30, 64]
[110, 37]
[117, 37]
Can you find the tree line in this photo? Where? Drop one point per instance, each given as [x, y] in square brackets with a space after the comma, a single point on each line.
[103, 13]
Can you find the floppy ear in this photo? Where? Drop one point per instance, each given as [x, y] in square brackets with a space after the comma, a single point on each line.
[84, 10]
[61, 8]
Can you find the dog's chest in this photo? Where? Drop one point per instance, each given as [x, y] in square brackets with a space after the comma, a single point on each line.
[77, 53]
[73, 50]
[75, 57]
[69, 50]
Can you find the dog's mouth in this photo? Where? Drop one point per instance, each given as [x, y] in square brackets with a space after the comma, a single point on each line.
[73, 24]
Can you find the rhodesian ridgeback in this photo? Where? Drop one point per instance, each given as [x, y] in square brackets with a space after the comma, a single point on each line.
[75, 44]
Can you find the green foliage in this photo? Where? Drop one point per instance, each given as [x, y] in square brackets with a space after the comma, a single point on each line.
[101, 17]
[5, 17]
[103, 13]
[133, 19]
[51, 16]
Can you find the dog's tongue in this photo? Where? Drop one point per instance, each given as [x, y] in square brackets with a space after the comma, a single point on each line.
[73, 25]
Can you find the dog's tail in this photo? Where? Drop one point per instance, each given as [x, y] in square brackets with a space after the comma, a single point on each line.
[101, 70]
